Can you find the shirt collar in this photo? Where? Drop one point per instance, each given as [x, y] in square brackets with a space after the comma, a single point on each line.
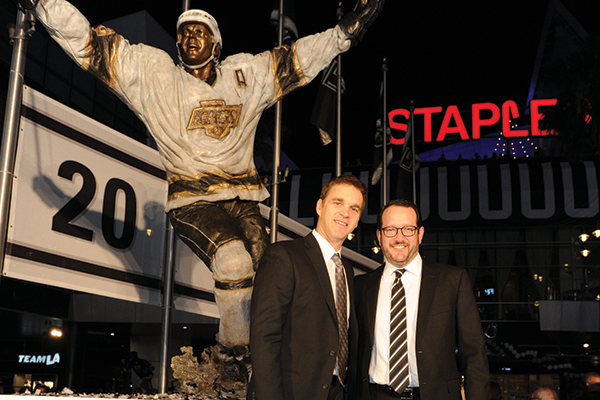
[326, 248]
[414, 267]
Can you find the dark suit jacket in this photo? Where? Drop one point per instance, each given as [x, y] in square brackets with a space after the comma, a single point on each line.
[447, 320]
[293, 324]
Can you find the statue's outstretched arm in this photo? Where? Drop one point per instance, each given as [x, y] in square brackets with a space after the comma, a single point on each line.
[355, 23]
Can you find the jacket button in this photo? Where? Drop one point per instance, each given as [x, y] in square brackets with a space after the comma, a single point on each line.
[365, 379]
[332, 353]
[325, 386]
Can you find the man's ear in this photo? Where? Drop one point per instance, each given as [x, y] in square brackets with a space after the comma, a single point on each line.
[421, 233]
[378, 234]
[319, 207]
[217, 51]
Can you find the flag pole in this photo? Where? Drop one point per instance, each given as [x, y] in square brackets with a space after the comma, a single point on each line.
[338, 144]
[24, 28]
[413, 153]
[168, 280]
[384, 186]
[277, 145]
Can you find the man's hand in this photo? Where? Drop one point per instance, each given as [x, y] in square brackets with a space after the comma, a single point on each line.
[355, 23]
[27, 4]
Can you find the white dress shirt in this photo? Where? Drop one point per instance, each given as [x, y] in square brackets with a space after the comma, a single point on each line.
[379, 371]
[328, 252]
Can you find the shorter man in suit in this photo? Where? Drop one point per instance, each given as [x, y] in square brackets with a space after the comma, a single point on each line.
[303, 332]
[419, 328]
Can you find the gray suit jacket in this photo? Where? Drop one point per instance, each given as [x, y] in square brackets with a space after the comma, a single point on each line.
[447, 320]
[293, 329]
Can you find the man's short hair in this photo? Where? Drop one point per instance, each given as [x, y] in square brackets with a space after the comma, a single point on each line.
[546, 393]
[399, 203]
[349, 180]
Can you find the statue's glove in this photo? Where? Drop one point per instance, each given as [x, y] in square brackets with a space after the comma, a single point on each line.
[355, 23]
[27, 4]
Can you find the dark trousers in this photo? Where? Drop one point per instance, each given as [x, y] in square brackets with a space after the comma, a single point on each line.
[381, 392]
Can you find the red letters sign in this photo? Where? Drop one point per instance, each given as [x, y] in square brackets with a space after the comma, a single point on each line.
[453, 123]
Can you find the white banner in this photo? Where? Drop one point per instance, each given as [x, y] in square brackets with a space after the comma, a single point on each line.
[87, 212]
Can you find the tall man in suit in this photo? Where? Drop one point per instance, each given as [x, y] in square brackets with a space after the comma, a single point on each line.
[439, 335]
[300, 343]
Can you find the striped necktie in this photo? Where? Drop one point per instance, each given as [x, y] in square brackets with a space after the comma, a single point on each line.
[341, 307]
[398, 336]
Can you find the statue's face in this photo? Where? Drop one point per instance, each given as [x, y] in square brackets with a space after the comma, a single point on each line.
[196, 41]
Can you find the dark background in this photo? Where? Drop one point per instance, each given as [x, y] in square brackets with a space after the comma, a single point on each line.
[439, 54]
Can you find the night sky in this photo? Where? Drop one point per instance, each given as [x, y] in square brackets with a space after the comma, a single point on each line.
[439, 54]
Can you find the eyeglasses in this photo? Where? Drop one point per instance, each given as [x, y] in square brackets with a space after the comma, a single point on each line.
[407, 231]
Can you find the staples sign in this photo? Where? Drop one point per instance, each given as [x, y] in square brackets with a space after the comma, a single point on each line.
[453, 122]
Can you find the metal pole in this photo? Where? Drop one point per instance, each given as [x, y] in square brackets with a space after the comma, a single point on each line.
[276, 146]
[384, 196]
[338, 136]
[168, 279]
[413, 155]
[12, 117]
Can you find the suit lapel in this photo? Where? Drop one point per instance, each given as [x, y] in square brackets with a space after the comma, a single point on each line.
[429, 279]
[372, 292]
[316, 258]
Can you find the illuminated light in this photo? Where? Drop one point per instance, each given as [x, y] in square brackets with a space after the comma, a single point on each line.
[598, 297]
[536, 303]
[596, 233]
[586, 345]
[149, 232]
[184, 328]
[584, 237]
[585, 252]
[112, 334]
[535, 277]
[375, 249]
[540, 278]
[351, 236]
[56, 332]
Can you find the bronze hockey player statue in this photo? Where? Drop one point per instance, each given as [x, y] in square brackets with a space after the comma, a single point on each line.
[203, 115]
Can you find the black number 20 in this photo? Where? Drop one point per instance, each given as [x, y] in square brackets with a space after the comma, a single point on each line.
[61, 222]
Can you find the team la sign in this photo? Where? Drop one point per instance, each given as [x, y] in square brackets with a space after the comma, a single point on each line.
[453, 122]
[33, 359]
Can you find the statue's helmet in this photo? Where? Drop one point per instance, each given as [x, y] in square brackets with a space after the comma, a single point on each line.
[200, 16]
